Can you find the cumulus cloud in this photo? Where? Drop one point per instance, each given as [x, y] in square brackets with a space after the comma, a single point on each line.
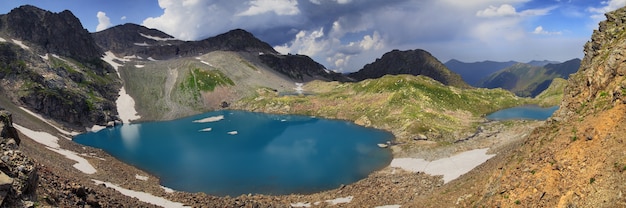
[103, 21]
[540, 31]
[280, 7]
[123, 18]
[611, 5]
[508, 10]
[492, 11]
[347, 34]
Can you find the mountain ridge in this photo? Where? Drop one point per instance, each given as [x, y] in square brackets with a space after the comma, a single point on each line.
[414, 62]
[528, 80]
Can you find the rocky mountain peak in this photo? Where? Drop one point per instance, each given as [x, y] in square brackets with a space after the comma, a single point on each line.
[57, 33]
[238, 40]
[415, 62]
[601, 74]
[133, 39]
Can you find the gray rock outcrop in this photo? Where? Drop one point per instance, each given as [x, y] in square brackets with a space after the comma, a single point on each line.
[18, 173]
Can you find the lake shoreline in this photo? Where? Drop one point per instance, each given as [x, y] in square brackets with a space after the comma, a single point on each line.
[390, 182]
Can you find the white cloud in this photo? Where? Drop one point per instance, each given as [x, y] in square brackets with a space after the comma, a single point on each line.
[318, 2]
[492, 11]
[123, 18]
[103, 21]
[280, 7]
[611, 5]
[508, 10]
[330, 48]
[309, 43]
[540, 31]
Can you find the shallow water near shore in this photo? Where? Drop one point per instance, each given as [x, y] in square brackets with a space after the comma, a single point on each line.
[236, 152]
[530, 112]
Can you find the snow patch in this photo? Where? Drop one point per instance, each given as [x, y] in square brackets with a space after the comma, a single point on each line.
[151, 59]
[301, 204]
[142, 196]
[139, 66]
[125, 103]
[232, 132]
[340, 200]
[81, 163]
[109, 57]
[3, 40]
[389, 206]
[45, 57]
[126, 107]
[51, 143]
[167, 190]
[39, 136]
[156, 38]
[210, 119]
[206, 129]
[207, 63]
[132, 57]
[451, 167]
[19, 43]
[96, 128]
[142, 44]
[49, 123]
[140, 177]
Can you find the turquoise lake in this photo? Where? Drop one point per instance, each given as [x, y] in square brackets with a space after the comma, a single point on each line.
[530, 112]
[236, 152]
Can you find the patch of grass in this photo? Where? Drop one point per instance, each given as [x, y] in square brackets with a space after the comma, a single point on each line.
[574, 137]
[591, 180]
[518, 202]
[205, 80]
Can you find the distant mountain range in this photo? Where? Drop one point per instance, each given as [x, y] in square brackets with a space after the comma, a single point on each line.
[474, 72]
[527, 80]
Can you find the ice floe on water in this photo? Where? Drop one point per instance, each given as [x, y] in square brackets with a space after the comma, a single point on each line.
[232, 132]
[450, 167]
[210, 119]
[206, 129]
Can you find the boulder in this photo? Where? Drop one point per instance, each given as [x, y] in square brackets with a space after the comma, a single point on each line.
[420, 137]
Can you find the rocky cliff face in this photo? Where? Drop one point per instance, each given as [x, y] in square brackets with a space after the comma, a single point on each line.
[300, 68]
[50, 64]
[415, 62]
[57, 33]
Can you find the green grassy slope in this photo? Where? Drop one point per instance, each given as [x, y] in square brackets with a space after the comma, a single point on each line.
[405, 105]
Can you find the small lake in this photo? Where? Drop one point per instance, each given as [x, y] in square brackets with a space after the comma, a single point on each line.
[530, 112]
[236, 152]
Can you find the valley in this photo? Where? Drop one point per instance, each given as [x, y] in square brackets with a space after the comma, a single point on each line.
[53, 92]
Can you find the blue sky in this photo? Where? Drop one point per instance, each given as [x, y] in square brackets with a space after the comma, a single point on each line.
[344, 35]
